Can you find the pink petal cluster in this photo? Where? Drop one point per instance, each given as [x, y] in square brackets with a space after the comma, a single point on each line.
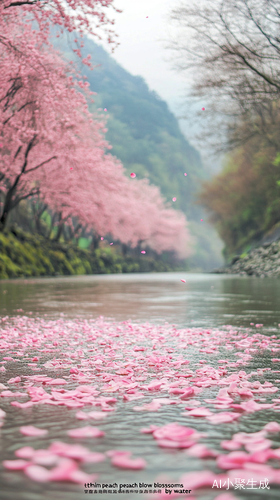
[101, 365]
[174, 435]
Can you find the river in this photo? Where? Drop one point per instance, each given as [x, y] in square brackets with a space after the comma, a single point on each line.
[204, 302]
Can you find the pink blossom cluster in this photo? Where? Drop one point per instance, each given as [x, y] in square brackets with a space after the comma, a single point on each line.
[103, 365]
[54, 152]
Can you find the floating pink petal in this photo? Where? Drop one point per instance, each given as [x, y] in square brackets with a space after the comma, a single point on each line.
[25, 452]
[174, 199]
[63, 470]
[125, 462]
[188, 392]
[203, 109]
[44, 457]
[102, 238]
[85, 432]
[183, 281]
[105, 109]
[272, 427]
[233, 460]
[222, 418]
[230, 445]
[143, 251]
[15, 464]
[80, 477]
[38, 473]
[132, 175]
[81, 415]
[181, 444]
[14, 380]
[175, 432]
[201, 451]
[251, 406]
[28, 404]
[149, 430]
[199, 412]
[30, 430]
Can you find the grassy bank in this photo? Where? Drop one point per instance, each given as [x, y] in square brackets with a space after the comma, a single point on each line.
[23, 254]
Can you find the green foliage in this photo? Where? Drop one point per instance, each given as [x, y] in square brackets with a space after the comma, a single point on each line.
[276, 161]
[244, 199]
[23, 254]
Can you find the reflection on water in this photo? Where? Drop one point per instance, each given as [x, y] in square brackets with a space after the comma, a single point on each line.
[203, 300]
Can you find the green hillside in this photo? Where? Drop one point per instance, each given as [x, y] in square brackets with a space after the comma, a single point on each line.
[146, 137]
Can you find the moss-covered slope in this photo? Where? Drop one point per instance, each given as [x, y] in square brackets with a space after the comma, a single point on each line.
[23, 254]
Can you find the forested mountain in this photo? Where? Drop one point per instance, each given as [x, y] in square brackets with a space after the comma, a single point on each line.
[146, 137]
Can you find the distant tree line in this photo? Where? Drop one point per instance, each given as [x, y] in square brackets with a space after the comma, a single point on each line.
[233, 52]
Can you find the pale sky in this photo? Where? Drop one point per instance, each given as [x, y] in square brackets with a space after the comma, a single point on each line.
[142, 47]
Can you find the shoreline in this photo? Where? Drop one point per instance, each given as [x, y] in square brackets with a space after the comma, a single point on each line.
[261, 262]
[24, 255]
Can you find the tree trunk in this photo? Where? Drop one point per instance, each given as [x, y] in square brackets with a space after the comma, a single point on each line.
[59, 232]
[3, 220]
[124, 250]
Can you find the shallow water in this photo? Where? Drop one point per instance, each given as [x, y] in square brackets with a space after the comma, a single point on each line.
[204, 301]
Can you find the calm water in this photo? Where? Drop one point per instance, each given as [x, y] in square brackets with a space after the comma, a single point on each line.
[203, 301]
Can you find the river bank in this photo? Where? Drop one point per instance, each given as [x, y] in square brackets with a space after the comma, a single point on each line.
[262, 262]
[23, 254]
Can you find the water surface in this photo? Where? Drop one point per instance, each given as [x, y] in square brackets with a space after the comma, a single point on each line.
[206, 301]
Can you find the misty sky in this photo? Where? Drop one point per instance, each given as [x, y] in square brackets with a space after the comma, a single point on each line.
[142, 50]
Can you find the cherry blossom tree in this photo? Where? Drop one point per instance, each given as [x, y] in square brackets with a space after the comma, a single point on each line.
[82, 16]
[52, 147]
[53, 151]
[43, 119]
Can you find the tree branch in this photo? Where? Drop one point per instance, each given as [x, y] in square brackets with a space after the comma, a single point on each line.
[40, 165]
